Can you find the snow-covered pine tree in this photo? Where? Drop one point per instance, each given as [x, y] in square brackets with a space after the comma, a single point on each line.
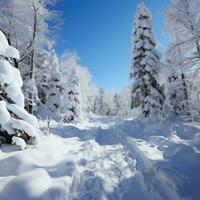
[69, 60]
[54, 85]
[16, 124]
[73, 111]
[47, 76]
[145, 63]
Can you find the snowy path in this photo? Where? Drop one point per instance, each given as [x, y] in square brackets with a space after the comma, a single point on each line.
[108, 158]
[152, 182]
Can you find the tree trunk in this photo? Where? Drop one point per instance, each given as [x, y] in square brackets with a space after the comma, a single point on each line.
[32, 60]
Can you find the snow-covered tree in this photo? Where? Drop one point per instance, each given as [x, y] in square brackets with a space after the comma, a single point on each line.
[16, 124]
[68, 61]
[101, 105]
[54, 85]
[125, 101]
[48, 81]
[194, 94]
[88, 89]
[182, 23]
[26, 26]
[145, 64]
[73, 111]
[177, 96]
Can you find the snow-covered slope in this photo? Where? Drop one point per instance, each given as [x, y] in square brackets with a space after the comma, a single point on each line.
[107, 158]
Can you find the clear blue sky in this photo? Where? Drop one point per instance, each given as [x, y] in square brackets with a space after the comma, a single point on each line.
[100, 32]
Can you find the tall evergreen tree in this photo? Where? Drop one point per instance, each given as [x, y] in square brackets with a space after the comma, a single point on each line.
[146, 91]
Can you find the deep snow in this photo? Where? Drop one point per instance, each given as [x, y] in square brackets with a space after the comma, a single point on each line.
[105, 158]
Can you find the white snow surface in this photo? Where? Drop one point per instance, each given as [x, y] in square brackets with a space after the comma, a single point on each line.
[106, 158]
[6, 50]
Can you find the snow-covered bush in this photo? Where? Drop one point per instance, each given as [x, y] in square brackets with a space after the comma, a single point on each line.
[15, 121]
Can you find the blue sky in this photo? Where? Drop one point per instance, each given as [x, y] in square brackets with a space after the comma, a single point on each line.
[100, 31]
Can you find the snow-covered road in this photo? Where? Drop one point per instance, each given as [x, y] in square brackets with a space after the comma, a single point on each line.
[107, 158]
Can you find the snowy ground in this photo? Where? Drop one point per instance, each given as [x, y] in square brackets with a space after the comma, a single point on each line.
[107, 158]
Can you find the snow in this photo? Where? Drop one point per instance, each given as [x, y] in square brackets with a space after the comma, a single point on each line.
[105, 158]
[12, 78]
[6, 50]
[27, 127]
[15, 93]
[5, 115]
[150, 150]
[11, 52]
[4, 43]
[23, 114]
[13, 74]
[19, 142]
